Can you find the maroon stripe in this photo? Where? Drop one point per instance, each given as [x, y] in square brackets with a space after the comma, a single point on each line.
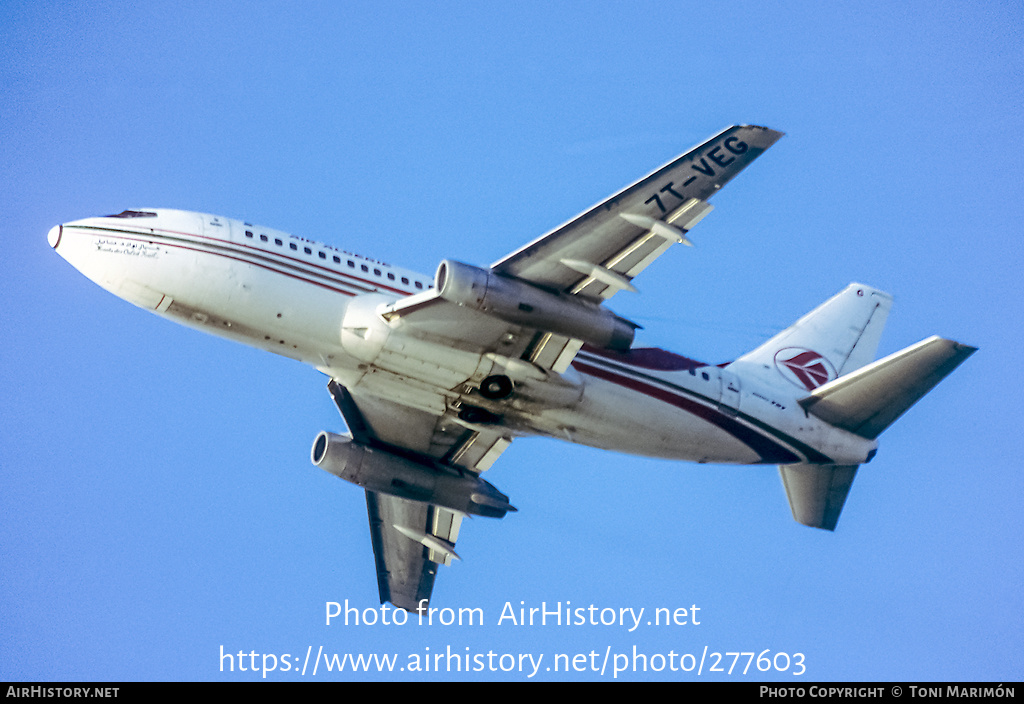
[286, 257]
[121, 234]
[263, 266]
[652, 358]
[769, 451]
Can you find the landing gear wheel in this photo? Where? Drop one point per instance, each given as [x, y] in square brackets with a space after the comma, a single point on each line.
[496, 387]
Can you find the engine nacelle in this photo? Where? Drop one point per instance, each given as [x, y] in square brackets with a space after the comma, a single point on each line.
[376, 469]
[520, 303]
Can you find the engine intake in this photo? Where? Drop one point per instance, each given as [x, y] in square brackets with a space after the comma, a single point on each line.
[377, 469]
[520, 303]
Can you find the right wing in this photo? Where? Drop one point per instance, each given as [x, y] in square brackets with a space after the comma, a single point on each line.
[600, 251]
[405, 567]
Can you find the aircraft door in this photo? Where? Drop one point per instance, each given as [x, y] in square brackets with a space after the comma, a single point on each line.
[216, 232]
[730, 399]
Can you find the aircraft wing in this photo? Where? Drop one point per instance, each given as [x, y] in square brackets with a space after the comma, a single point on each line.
[405, 567]
[410, 538]
[602, 249]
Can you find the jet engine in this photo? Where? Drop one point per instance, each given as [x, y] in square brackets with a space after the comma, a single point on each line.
[520, 303]
[377, 469]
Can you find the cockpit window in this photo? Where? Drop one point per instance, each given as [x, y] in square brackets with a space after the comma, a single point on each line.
[132, 214]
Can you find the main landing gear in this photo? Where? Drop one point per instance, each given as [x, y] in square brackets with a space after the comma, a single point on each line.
[496, 387]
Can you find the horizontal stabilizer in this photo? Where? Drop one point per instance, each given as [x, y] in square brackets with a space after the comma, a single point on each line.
[869, 400]
[817, 492]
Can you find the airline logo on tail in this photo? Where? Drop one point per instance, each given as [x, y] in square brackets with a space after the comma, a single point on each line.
[805, 368]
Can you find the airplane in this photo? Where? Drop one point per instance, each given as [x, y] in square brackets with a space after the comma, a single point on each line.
[435, 376]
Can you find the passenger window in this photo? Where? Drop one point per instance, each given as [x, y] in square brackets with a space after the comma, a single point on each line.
[263, 238]
[322, 255]
[278, 242]
[419, 284]
[337, 259]
[391, 276]
[364, 267]
[405, 280]
[307, 250]
[293, 246]
[248, 233]
[705, 375]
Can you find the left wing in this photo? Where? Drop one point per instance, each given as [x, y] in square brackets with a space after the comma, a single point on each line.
[410, 538]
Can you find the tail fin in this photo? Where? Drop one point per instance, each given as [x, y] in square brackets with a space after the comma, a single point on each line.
[835, 338]
[830, 353]
[865, 402]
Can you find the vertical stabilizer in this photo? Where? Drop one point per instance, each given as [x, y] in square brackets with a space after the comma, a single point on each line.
[835, 338]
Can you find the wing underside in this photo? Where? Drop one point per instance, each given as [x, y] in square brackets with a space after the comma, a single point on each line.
[405, 567]
[600, 251]
[411, 538]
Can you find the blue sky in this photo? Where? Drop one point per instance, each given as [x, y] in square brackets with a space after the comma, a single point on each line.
[158, 501]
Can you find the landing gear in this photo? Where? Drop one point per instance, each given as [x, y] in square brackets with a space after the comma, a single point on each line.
[496, 387]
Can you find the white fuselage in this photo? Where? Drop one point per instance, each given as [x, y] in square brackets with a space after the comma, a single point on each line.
[289, 295]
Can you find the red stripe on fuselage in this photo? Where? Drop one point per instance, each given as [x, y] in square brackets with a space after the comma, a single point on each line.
[241, 256]
[767, 449]
[281, 255]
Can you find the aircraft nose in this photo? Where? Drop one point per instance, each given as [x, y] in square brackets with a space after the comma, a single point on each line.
[53, 236]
